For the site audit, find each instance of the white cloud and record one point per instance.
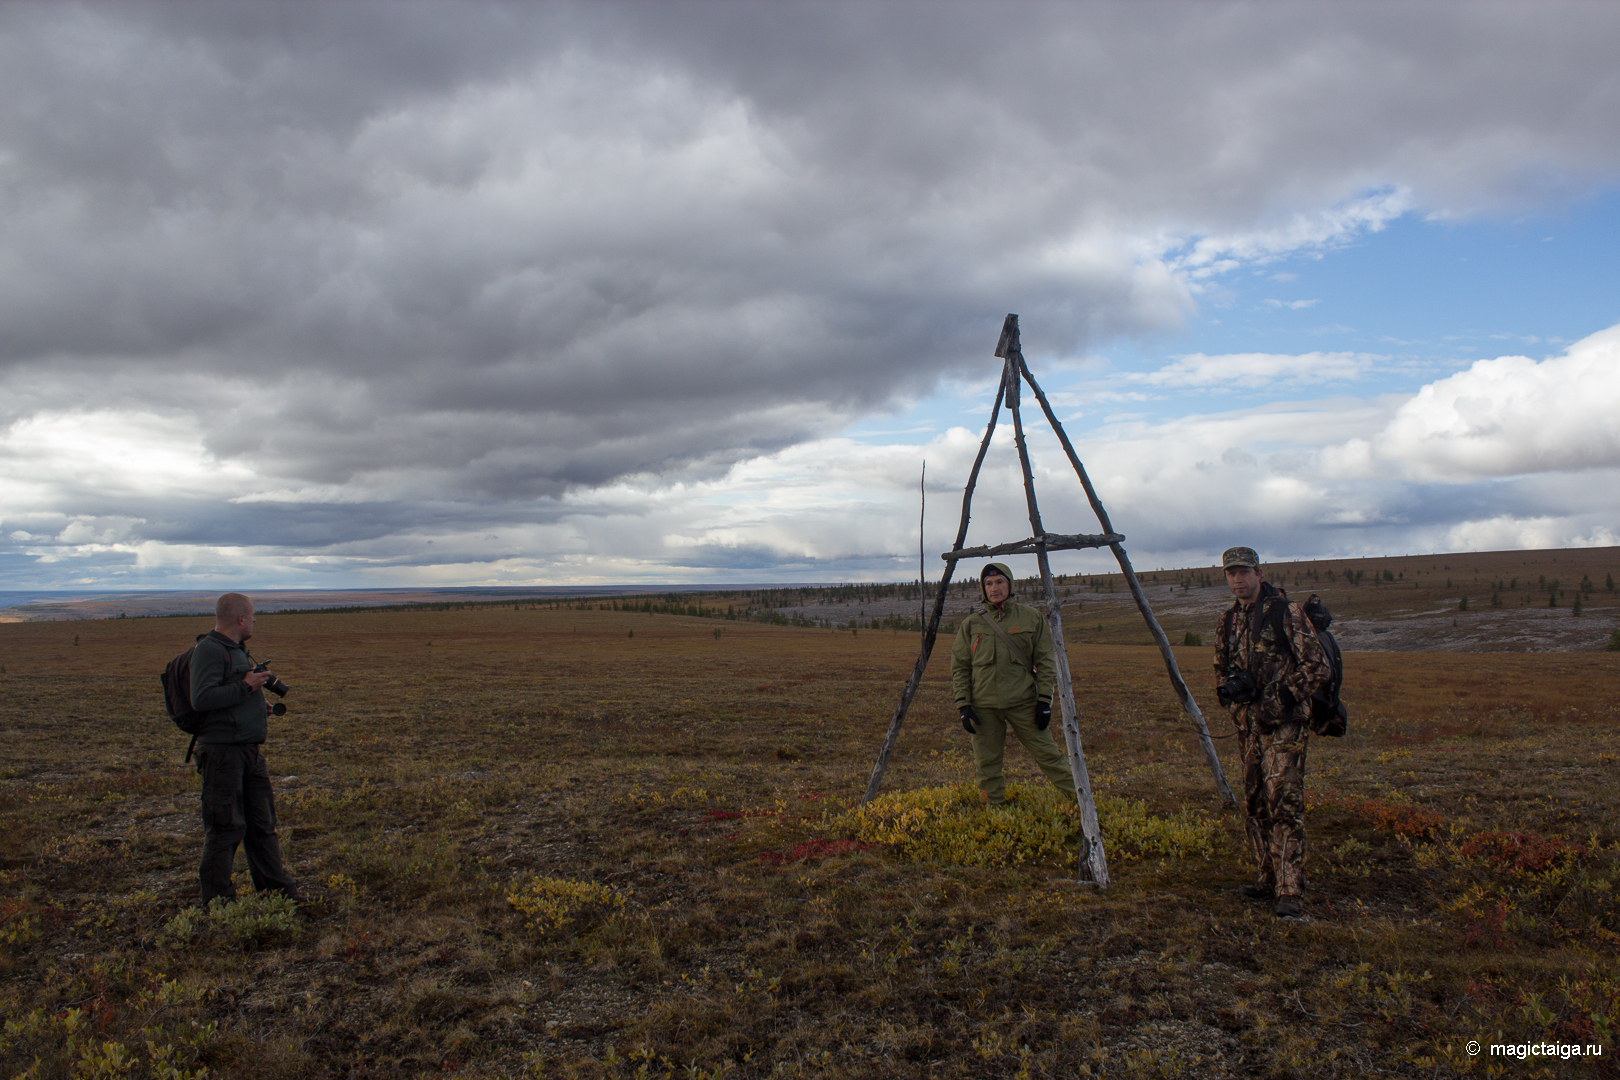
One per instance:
(1255, 370)
(1303, 231)
(129, 451)
(1506, 532)
(1513, 416)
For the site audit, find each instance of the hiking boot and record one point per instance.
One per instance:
(1258, 890)
(1289, 907)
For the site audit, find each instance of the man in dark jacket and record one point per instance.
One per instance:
(237, 804)
(997, 689)
(1268, 663)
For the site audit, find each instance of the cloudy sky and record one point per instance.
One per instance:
(344, 295)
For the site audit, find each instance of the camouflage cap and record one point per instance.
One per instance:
(1240, 556)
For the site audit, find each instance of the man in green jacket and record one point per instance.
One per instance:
(238, 806)
(997, 688)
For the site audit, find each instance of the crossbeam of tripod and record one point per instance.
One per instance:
(1048, 541)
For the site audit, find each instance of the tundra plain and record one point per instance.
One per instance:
(548, 839)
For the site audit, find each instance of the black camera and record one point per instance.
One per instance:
(274, 685)
(1238, 689)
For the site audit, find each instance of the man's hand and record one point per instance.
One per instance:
(1043, 714)
(969, 718)
(256, 679)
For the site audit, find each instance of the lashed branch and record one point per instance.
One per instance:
(1053, 542)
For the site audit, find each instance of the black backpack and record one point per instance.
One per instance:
(1328, 715)
(176, 679)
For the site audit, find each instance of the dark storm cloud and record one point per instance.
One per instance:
(480, 254)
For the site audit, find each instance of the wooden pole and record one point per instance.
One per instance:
(1176, 681)
(1093, 859)
(932, 630)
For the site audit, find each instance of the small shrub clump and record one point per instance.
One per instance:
(550, 904)
(258, 918)
(949, 825)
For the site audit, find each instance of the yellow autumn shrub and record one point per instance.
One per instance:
(1037, 824)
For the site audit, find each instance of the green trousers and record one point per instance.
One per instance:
(989, 749)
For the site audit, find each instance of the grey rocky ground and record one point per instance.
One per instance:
(1424, 629)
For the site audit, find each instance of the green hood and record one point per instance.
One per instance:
(1005, 572)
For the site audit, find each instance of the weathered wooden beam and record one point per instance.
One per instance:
(1093, 859)
(1052, 542)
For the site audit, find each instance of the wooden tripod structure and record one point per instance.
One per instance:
(1093, 860)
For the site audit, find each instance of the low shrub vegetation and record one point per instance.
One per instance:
(541, 847)
(1037, 824)
(253, 920)
(549, 905)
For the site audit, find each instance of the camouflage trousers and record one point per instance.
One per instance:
(1274, 794)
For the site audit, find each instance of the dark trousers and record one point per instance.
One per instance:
(238, 808)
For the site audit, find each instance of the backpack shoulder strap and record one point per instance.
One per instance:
(1016, 651)
(1277, 615)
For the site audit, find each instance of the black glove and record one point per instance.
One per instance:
(1043, 714)
(969, 718)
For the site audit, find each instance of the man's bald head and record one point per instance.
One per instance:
(233, 617)
(232, 605)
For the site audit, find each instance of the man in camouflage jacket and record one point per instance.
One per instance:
(1268, 663)
(996, 691)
